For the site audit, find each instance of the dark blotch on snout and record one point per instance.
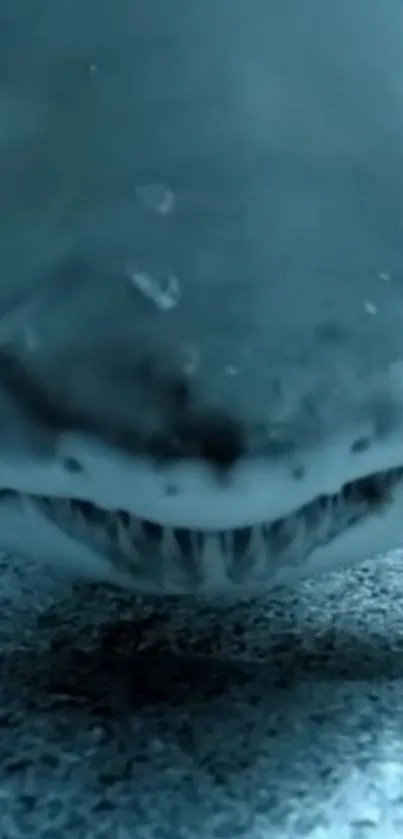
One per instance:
(219, 438)
(185, 431)
(210, 436)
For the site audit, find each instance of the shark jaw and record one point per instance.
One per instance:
(103, 519)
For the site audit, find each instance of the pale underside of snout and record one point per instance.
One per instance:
(195, 494)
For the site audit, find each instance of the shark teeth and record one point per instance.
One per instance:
(169, 559)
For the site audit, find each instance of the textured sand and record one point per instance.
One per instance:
(280, 719)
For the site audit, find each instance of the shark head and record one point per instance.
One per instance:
(201, 333)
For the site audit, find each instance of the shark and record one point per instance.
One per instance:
(201, 294)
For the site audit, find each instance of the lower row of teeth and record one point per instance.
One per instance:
(130, 543)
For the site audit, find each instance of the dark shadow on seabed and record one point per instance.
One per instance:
(178, 719)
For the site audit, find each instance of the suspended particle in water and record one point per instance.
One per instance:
(157, 197)
(164, 291)
(370, 307)
(191, 362)
(231, 370)
(30, 339)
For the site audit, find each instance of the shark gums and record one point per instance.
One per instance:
(201, 288)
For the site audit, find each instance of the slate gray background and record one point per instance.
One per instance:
(122, 719)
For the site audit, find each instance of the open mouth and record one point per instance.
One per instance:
(160, 558)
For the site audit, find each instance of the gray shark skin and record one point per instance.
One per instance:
(201, 288)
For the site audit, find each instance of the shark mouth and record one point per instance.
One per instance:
(119, 547)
